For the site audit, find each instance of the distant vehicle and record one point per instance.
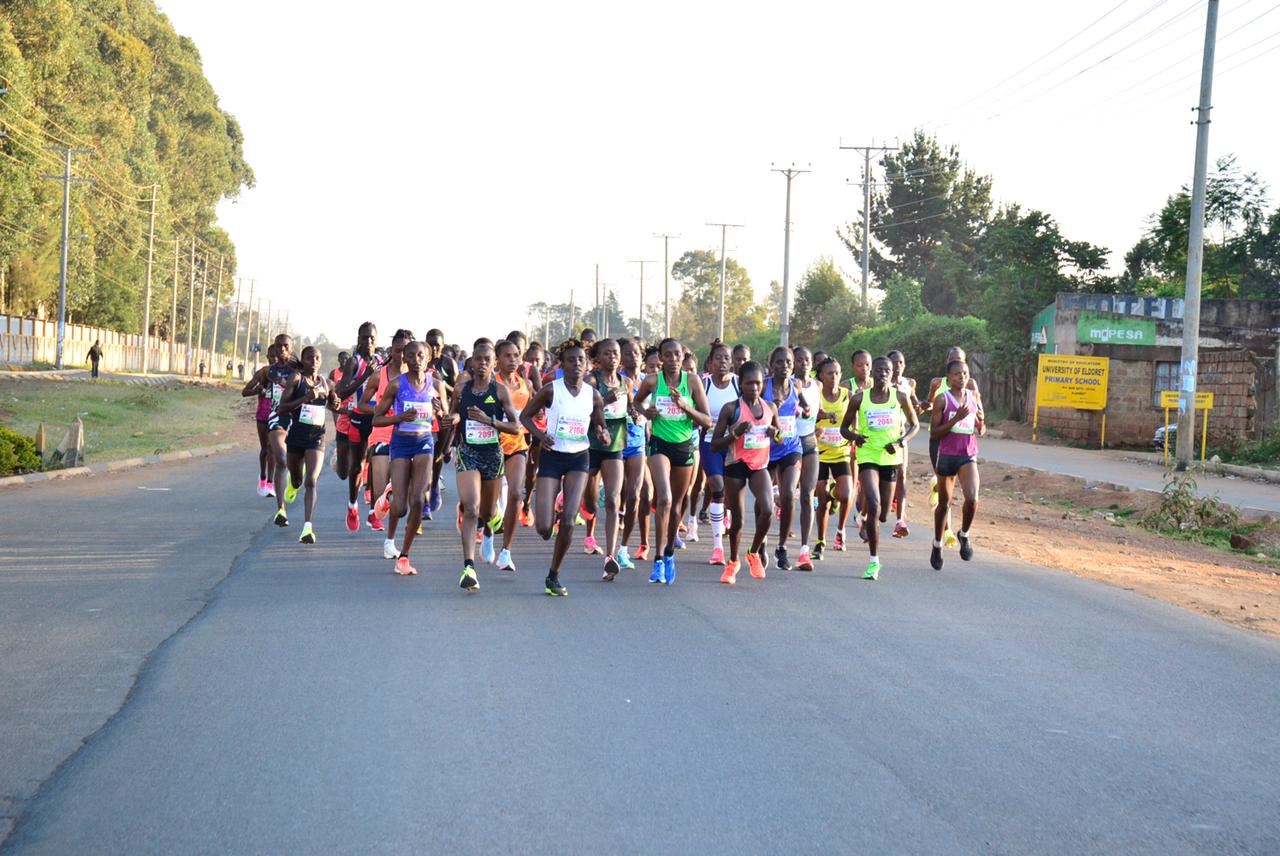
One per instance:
(1158, 440)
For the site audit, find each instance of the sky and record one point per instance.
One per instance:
(446, 165)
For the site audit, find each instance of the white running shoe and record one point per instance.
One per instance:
(504, 560)
(389, 550)
(486, 548)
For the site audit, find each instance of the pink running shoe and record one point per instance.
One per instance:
(717, 556)
(590, 547)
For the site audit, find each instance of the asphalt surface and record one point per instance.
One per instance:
(319, 703)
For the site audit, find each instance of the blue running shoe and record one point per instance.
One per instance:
(436, 498)
(670, 563)
(659, 574)
(679, 544)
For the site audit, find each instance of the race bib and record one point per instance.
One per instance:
(882, 420)
(424, 419)
(967, 425)
(479, 434)
(276, 392)
(571, 429)
(616, 409)
(788, 425)
(757, 437)
(831, 436)
(311, 414)
(666, 407)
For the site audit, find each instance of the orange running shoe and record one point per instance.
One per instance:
(642, 553)
(403, 568)
(526, 519)
(755, 565)
(730, 575)
(383, 505)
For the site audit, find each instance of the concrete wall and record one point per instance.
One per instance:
(25, 341)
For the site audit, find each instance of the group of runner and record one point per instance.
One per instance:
(612, 430)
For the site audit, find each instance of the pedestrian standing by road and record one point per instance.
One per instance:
(95, 356)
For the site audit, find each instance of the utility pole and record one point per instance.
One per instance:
(248, 324)
(66, 179)
(866, 208)
(1195, 254)
(257, 339)
(599, 321)
(146, 301)
(217, 306)
(546, 326)
(285, 329)
(204, 295)
(666, 283)
(642, 263)
(173, 313)
(235, 330)
(573, 315)
(784, 311)
(191, 299)
(724, 227)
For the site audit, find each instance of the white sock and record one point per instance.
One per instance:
(804, 548)
(353, 505)
(875, 559)
(937, 545)
(716, 512)
(962, 534)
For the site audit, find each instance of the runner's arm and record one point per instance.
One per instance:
(380, 417)
(537, 402)
(846, 427)
(512, 423)
(699, 411)
(287, 400)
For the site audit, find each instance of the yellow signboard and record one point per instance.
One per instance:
(1169, 400)
(1069, 381)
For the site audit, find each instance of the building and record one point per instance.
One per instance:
(1239, 363)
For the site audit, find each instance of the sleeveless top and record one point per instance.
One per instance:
(475, 433)
(309, 421)
(569, 417)
(962, 439)
(520, 394)
(806, 426)
(408, 398)
(672, 425)
(752, 448)
(382, 433)
(881, 424)
(787, 414)
(717, 398)
(615, 414)
(833, 448)
(277, 377)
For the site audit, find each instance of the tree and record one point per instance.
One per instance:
(901, 299)
(842, 315)
(819, 287)
(695, 317)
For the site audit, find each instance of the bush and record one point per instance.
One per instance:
(17, 453)
(925, 340)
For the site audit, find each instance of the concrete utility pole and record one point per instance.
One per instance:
(257, 337)
(1195, 253)
(866, 208)
(235, 330)
(785, 310)
(642, 263)
(204, 298)
(573, 315)
(146, 300)
(173, 313)
(217, 306)
(191, 300)
(67, 181)
(599, 320)
(666, 283)
(724, 227)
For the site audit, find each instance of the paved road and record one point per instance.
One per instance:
(1119, 468)
(319, 703)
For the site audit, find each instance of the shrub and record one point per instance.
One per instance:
(17, 453)
(924, 340)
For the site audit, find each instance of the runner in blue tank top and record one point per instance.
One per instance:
(784, 456)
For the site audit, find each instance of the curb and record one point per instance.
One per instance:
(116, 466)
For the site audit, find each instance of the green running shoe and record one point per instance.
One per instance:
(281, 518)
(554, 587)
(495, 525)
(873, 571)
(290, 492)
(469, 582)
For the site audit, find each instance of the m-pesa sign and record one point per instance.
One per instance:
(1110, 330)
(1069, 381)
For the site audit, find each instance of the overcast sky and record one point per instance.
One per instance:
(445, 165)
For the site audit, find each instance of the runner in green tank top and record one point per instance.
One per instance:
(886, 422)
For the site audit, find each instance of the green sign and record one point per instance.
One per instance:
(1115, 330)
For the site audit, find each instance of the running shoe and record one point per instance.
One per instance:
(642, 552)
(505, 562)
(426, 514)
(933, 492)
(590, 547)
(496, 524)
(436, 498)
(818, 550)
(730, 575)
(966, 549)
(755, 565)
(692, 534)
(374, 523)
(659, 574)
(368, 495)
(262, 487)
(624, 561)
(717, 556)
(383, 504)
(872, 572)
(900, 529)
(486, 548)
(780, 558)
(804, 562)
(526, 519)
(271, 489)
(403, 568)
(469, 582)
(679, 544)
(353, 519)
(389, 550)
(554, 587)
(281, 518)
(935, 558)
(949, 539)
(862, 530)
(682, 528)
(611, 569)
(704, 516)
(669, 571)
(578, 521)
(307, 536)
(838, 546)
(290, 492)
